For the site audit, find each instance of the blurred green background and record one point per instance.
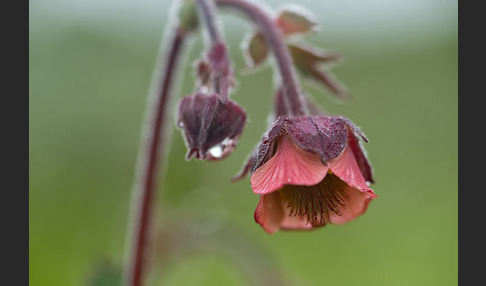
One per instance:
(91, 64)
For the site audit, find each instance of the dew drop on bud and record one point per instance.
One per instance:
(220, 150)
(216, 151)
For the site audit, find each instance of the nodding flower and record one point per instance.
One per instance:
(310, 171)
(210, 126)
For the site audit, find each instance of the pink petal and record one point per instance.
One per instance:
(347, 169)
(355, 205)
(289, 165)
(272, 215)
(269, 212)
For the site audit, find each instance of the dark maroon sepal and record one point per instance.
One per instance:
(358, 150)
(324, 135)
(266, 148)
(327, 136)
(247, 167)
(211, 128)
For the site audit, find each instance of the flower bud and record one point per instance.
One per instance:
(210, 126)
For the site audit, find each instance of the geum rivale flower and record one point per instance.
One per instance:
(310, 171)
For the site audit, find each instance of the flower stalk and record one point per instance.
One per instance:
(206, 12)
(151, 149)
(294, 98)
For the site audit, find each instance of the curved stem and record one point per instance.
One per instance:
(216, 48)
(207, 14)
(294, 99)
(151, 149)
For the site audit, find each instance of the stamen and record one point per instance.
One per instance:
(315, 203)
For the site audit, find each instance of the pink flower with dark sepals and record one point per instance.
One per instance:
(310, 171)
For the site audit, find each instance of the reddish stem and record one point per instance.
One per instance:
(208, 16)
(152, 148)
(295, 101)
(209, 19)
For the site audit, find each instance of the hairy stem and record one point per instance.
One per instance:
(206, 10)
(295, 101)
(151, 149)
(222, 74)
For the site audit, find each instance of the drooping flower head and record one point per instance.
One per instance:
(210, 126)
(310, 171)
(211, 122)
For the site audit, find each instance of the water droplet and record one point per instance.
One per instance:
(222, 149)
(216, 151)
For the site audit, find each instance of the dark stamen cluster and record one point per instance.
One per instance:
(316, 202)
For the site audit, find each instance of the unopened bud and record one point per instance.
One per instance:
(210, 126)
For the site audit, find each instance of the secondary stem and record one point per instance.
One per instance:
(294, 99)
(209, 19)
(207, 14)
(152, 148)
